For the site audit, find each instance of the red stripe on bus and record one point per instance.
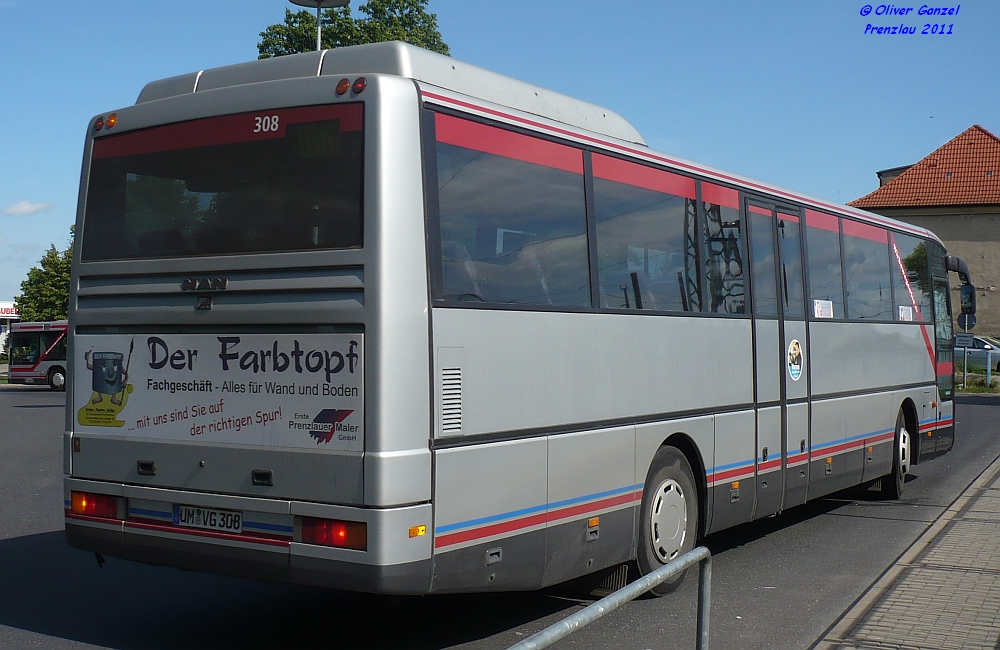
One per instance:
(822, 220)
(836, 449)
(757, 210)
(225, 129)
(208, 533)
(920, 232)
(583, 508)
(731, 473)
(724, 196)
(159, 522)
(945, 368)
(490, 139)
(864, 231)
(788, 217)
(630, 173)
(769, 465)
(532, 520)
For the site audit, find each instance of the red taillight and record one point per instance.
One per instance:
(94, 505)
(342, 534)
(99, 124)
(359, 85)
(343, 86)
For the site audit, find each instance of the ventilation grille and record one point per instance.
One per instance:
(451, 400)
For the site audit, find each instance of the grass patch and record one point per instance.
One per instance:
(976, 383)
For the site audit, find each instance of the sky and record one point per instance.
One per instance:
(791, 93)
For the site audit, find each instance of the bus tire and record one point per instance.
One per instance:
(668, 523)
(892, 483)
(57, 379)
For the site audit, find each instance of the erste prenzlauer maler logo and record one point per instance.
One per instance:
(328, 419)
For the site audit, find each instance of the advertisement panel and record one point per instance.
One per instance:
(276, 390)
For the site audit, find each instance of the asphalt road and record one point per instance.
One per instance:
(778, 583)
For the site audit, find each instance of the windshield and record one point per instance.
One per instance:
(280, 180)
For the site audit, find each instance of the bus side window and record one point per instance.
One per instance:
(826, 286)
(790, 271)
(513, 225)
(866, 256)
(646, 252)
(765, 294)
(725, 288)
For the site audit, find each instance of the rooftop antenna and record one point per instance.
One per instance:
(320, 4)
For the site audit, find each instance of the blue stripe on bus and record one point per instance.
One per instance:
(534, 509)
(150, 513)
(260, 526)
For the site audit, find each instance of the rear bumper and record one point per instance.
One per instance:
(393, 563)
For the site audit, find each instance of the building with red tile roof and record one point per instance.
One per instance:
(955, 192)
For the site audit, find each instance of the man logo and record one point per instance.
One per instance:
(204, 284)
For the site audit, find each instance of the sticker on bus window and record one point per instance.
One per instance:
(795, 360)
(905, 313)
(822, 308)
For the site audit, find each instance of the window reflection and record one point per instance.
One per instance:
(511, 231)
(647, 256)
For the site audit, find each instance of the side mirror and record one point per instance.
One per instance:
(968, 299)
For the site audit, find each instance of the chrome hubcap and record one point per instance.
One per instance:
(904, 451)
(58, 380)
(668, 520)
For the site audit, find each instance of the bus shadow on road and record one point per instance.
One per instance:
(746, 533)
(51, 589)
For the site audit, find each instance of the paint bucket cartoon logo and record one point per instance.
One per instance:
(795, 360)
(110, 388)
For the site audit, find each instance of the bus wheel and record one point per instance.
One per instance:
(892, 483)
(669, 519)
(57, 379)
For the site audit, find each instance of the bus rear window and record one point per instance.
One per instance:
(263, 182)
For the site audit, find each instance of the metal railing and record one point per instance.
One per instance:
(591, 613)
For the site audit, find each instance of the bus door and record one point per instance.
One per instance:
(769, 380)
(781, 387)
(795, 359)
(941, 436)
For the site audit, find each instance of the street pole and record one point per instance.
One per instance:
(965, 362)
(320, 4)
(319, 30)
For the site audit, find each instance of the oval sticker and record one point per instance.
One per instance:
(795, 359)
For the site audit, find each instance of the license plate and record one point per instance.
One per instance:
(228, 521)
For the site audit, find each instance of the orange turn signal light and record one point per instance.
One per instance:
(343, 86)
(112, 120)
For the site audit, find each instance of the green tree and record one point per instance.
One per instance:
(45, 294)
(385, 20)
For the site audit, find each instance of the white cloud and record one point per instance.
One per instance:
(24, 208)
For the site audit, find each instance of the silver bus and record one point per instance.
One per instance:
(379, 320)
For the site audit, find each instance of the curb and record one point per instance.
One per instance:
(834, 637)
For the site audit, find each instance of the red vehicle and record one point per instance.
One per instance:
(38, 354)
